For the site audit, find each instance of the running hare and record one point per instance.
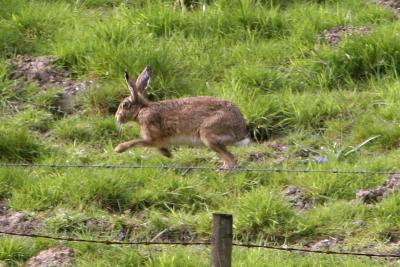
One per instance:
(193, 120)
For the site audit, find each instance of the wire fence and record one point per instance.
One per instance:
(204, 243)
(200, 168)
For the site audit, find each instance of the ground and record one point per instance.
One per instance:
(316, 81)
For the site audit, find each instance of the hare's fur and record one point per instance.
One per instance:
(206, 120)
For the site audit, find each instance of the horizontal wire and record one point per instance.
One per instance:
(148, 243)
(165, 167)
(106, 242)
(365, 254)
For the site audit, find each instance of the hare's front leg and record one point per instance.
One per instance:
(126, 145)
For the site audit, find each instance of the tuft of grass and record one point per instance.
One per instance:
(17, 144)
(261, 211)
(387, 221)
(10, 180)
(13, 251)
(357, 58)
(103, 99)
(333, 218)
(34, 119)
(95, 129)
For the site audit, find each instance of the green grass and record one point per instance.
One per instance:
(268, 57)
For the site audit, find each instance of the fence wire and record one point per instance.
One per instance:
(105, 242)
(205, 243)
(365, 254)
(188, 168)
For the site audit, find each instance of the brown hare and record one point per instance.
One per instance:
(197, 120)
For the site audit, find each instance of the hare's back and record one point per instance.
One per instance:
(197, 109)
(189, 114)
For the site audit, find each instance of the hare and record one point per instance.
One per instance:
(198, 120)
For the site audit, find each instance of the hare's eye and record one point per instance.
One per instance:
(126, 105)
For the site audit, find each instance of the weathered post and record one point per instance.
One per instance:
(221, 240)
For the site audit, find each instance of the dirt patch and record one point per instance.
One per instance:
(391, 185)
(324, 244)
(17, 222)
(278, 154)
(298, 198)
(393, 4)
(257, 156)
(371, 196)
(183, 234)
(333, 36)
(3, 208)
(277, 147)
(55, 256)
(96, 225)
(43, 71)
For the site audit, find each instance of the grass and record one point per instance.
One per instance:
(293, 87)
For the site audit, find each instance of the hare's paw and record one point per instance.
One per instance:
(120, 148)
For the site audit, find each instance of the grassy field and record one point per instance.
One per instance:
(303, 98)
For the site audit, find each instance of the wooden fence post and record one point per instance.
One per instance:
(221, 240)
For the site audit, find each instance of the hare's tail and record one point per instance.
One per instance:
(243, 142)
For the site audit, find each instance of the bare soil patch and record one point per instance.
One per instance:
(391, 185)
(335, 35)
(17, 222)
(43, 71)
(325, 244)
(257, 156)
(393, 4)
(55, 256)
(298, 198)
(278, 154)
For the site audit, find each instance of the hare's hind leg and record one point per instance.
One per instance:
(212, 142)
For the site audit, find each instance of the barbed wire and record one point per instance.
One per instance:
(289, 249)
(186, 168)
(106, 242)
(206, 243)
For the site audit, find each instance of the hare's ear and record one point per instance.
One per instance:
(144, 79)
(131, 85)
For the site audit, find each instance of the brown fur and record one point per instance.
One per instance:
(213, 122)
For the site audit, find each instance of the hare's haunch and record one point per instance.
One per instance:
(206, 120)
